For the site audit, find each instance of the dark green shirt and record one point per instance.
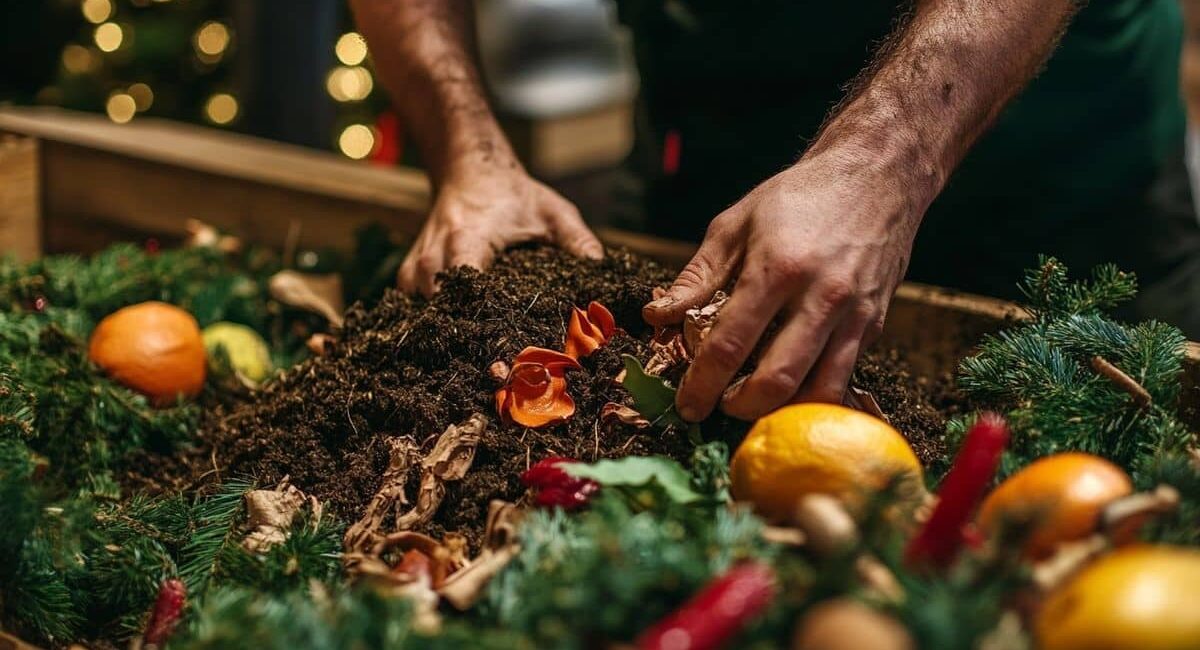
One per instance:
(745, 84)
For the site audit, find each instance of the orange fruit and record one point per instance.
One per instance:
(153, 348)
(820, 448)
(1140, 597)
(1059, 496)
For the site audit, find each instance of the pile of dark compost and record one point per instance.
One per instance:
(411, 367)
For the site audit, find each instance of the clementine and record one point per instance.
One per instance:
(1060, 497)
(153, 348)
(820, 448)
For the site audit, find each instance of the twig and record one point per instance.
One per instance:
(1123, 381)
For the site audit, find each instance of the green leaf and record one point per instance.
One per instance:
(639, 471)
(654, 398)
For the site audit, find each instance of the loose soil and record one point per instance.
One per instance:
(411, 367)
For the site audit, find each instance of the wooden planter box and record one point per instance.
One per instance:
(72, 182)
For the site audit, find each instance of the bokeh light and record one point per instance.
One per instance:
(143, 96)
(211, 41)
(221, 108)
(77, 59)
(357, 141)
(109, 37)
(96, 11)
(351, 49)
(349, 84)
(121, 107)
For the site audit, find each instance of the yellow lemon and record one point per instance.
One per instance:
(1142, 597)
(819, 448)
(247, 352)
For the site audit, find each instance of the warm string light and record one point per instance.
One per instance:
(120, 107)
(77, 59)
(357, 141)
(349, 84)
(211, 41)
(221, 108)
(96, 11)
(108, 37)
(351, 49)
(143, 96)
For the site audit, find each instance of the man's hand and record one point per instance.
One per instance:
(819, 248)
(485, 200)
(486, 211)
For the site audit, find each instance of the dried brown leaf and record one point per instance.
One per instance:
(449, 460)
(320, 294)
(698, 322)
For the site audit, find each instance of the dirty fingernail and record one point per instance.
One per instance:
(661, 303)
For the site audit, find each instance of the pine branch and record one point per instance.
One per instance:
(214, 521)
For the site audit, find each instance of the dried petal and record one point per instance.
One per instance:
(536, 392)
(499, 372)
(699, 321)
(588, 330)
(624, 414)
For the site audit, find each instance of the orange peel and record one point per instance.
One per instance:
(588, 330)
(535, 393)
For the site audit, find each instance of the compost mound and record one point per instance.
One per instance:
(411, 367)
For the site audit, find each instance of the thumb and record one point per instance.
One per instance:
(708, 271)
(570, 232)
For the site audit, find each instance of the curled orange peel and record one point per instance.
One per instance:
(588, 330)
(535, 393)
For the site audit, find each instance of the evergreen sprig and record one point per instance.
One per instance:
(612, 571)
(1044, 373)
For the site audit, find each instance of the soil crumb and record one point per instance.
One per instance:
(409, 367)
(915, 405)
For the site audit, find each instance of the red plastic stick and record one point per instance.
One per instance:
(940, 539)
(714, 615)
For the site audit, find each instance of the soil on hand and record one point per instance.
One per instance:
(410, 367)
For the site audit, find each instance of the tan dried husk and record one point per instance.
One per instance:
(270, 513)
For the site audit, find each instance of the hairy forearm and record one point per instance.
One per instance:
(423, 53)
(936, 85)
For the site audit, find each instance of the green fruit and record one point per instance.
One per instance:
(247, 352)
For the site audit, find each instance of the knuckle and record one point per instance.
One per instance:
(726, 352)
(774, 384)
(788, 267)
(695, 272)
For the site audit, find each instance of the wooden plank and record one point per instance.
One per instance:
(20, 198)
(225, 154)
(92, 192)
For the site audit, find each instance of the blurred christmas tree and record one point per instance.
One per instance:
(292, 70)
(169, 58)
